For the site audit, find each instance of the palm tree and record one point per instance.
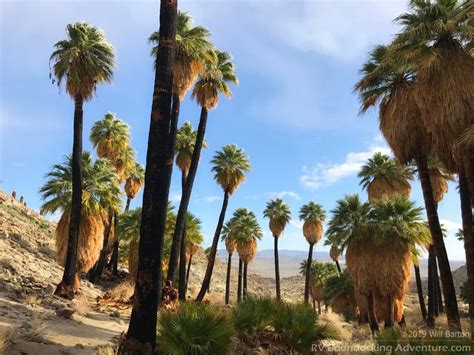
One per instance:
(229, 166)
(279, 214)
(185, 142)
(129, 227)
(218, 72)
(83, 61)
(334, 254)
(313, 216)
(141, 332)
(135, 179)
(100, 193)
(246, 231)
(383, 177)
(419, 286)
(230, 245)
(193, 238)
(110, 136)
(392, 84)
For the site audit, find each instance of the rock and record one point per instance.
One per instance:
(115, 314)
(65, 312)
(26, 325)
(79, 346)
(3, 234)
(16, 237)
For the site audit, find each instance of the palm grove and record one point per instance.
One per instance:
(422, 83)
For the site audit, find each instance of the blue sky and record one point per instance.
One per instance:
(293, 112)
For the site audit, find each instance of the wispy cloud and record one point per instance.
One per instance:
(212, 198)
(324, 174)
(283, 194)
(451, 226)
(175, 197)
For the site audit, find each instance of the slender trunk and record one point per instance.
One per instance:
(127, 206)
(189, 269)
(113, 265)
(227, 279)
(338, 266)
(182, 252)
(239, 282)
(430, 320)
(183, 205)
(96, 271)
(308, 274)
(277, 268)
(245, 280)
(466, 210)
(468, 173)
(141, 335)
(66, 287)
(212, 254)
(419, 288)
(449, 292)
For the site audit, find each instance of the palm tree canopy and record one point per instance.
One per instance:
(382, 167)
(279, 214)
(320, 271)
(129, 224)
(191, 49)
(312, 212)
(228, 232)
(229, 166)
(349, 220)
(245, 232)
(193, 230)
(185, 141)
(99, 188)
(135, 179)
(83, 60)
(218, 72)
(110, 136)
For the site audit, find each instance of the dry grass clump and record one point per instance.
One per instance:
(7, 335)
(439, 185)
(7, 264)
(123, 291)
(47, 251)
(106, 350)
(81, 305)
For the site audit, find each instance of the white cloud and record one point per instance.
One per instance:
(175, 197)
(451, 226)
(212, 198)
(296, 223)
(282, 194)
(324, 174)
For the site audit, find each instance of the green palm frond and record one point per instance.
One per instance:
(312, 212)
(278, 211)
(185, 141)
(83, 61)
(229, 166)
(110, 136)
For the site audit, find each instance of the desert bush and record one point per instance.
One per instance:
(7, 334)
(252, 315)
(195, 328)
(339, 293)
(416, 341)
(298, 326)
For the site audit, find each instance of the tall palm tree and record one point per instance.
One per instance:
(134, 182)
(100, 193)
(193, 237)
(82, 61)
(279, 214)
(313, 215)
(383, 177)
(110, 136)
(392, 84)
(419, 286)
(185, 142)
(229, 166)
(246, 231)
(141, 334)
(214, 80)
(334, 254)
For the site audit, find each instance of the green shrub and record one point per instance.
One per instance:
(195, 328)
(298, 326)
(252, 315)
(464, 294)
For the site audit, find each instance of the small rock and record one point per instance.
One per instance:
(79, 346)
(3, 234)
(115, 314)
(16, 236)
(26, 325)
(65, 312)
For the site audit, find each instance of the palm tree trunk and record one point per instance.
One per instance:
(127, 206)
(419, 288)
(338, 266)
(239, 282)
(66, 287)
(96, 271)
(308, 274)
(182, 253)
(277, 268)
(227, 279)
(439, 296)
(188, 270)
(466, 210)
(113, 265)
(141, 333)
(186, 196)
(430, 320)
(212, 254)
(449, 292)
(245, 280)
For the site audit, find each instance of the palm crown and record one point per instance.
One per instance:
(185, 141)
(135, 179)
(229, 166)
(218, 72)
(192, 47)
(279, 214)
(84, 60)
(99, 188)
(110, 136)
(313, 216)
(382, 167)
